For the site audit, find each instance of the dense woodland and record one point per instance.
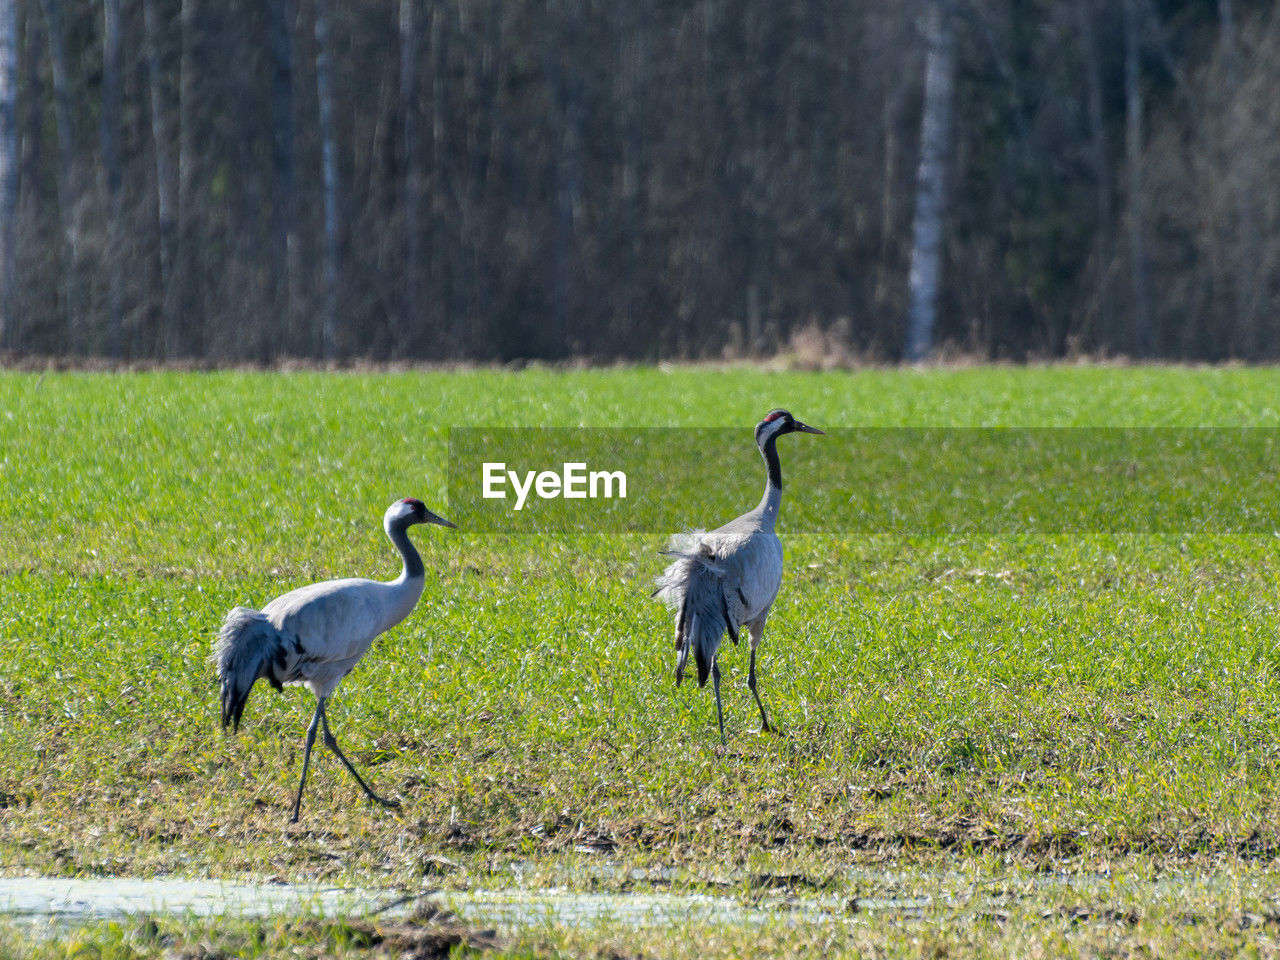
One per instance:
(235, 180)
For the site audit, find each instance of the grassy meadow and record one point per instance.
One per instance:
(956, 709)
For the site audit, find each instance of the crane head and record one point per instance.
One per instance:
(778, 422)
(409, 511)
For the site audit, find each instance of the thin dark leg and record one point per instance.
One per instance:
(715, 681)
(306, 756)
(751, 682)
(331, 742)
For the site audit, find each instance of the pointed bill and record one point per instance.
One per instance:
(436, 518)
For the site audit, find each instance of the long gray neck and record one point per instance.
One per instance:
(413, 568)
(773, 484)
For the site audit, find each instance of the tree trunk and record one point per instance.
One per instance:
(634, 79)
(1246, 256)
(437, 274)
(411, 295)
(8, 165)
(1101, 169)
(111, 171)
(563, 89)
(329, 176)
(66, 202)
(31, 165)
(186, 338)
(1133, 169)
(166, 180)
(284, 227)
(931, 182)
(888, 238)
(481, 57)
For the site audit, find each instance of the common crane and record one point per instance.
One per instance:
(316, 634)
(730, 576)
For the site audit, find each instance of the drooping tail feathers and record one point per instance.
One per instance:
(693, 586)
(248, 647)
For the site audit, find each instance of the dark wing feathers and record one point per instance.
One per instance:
(694, 585)
(248, 648)
(728, 620)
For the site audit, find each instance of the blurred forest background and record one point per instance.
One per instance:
(249, 180)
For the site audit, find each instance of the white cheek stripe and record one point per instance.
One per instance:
(772, 427)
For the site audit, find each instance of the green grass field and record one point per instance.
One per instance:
(1093, 704)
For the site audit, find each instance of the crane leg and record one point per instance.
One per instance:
(306, 756)
(757, 634)
(715, 682)
(331, 742)
(751, 682)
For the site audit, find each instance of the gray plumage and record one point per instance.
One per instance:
(315, 635)
(727, 578)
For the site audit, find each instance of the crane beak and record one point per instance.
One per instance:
(436, 518)
(805, 428)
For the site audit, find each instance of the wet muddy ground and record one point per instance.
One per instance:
(760, 898)
(522, 912)
(67, 900)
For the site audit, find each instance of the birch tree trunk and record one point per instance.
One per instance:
(931, 182)
(112, 175)
(329, 177)
(8, 164)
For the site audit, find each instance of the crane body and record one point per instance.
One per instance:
(315, 635)
(727, 578)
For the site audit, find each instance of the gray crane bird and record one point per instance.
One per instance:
(316, 634)
(729, 576)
